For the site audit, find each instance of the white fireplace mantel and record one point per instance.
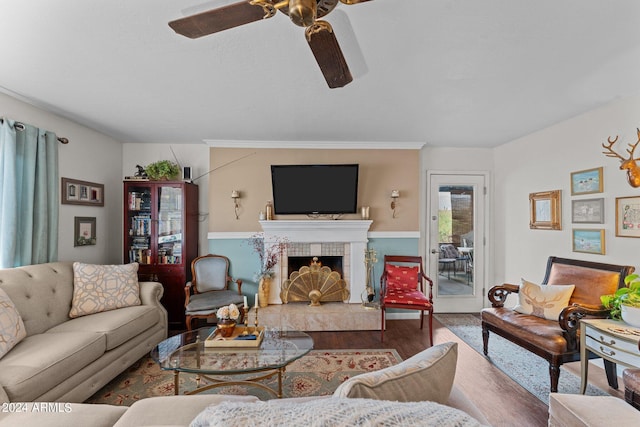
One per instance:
(317, 230)
(353, 232)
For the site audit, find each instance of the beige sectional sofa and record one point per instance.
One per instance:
(423, 382)
(64, 359)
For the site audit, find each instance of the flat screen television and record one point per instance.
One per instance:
(314, 189)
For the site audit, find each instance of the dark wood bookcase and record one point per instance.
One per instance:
(161, 234)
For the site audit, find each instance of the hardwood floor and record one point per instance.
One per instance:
(500, 399)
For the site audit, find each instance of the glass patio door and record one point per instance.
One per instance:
(456, 241)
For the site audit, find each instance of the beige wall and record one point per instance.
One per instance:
(380, 172)
(544, 161)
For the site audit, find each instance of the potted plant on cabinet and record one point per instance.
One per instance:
(625, 303)
(162, 169)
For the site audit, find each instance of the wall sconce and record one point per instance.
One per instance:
(235, 195)
(394, 197)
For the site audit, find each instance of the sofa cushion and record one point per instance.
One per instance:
(119, 326)
(98, 288)
(58, 414)
(426, 376)
(546, 301)
(42, 293)
(539, 332)
(41, 362)
(11, 326)
(173, 410)
(577, 410)
(332, 412)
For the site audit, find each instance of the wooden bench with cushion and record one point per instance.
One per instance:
(554, 338)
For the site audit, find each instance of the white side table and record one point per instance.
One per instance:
(614, 341)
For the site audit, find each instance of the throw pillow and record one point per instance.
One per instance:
(332, 412)
(402, 277)
(12, 329)
(426, 376)
(545, 301)
(98, 288)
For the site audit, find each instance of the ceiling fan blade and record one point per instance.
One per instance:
(326, 49)
(349, 43)
(223, 18)
(353, 1)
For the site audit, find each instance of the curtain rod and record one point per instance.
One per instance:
(20, 126)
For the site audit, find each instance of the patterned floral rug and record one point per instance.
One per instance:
(318, 373)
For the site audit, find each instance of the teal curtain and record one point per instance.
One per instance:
(28, 195)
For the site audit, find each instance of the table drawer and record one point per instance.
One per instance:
(614, 349)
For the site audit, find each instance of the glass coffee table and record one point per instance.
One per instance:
(186, 353)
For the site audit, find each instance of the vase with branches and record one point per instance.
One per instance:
(269, 255)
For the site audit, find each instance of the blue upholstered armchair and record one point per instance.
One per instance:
(209, 288)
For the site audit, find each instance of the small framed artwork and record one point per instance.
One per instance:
(587, 211)
(588, 241)
(587, 182)
(76, 192)
(85, 231)
(545, 211)
(628, 216)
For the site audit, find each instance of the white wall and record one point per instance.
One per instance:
(89, 156)
(194, 155)
(544, 161)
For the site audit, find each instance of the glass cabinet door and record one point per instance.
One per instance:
(170, 222)
(139, 224)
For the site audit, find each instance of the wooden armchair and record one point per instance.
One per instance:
(402, 285)
(556, 341)
(209, 288)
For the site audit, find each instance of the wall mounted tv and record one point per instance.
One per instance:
(314, 189)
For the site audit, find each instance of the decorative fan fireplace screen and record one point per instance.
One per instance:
(315, 283)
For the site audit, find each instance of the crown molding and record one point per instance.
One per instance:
(358, 145)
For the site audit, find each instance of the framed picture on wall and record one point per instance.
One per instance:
(587, 181)
(587, 211)
(545, 210)
(86, 193)
(588, 241)
(84, 231)
(628, 216)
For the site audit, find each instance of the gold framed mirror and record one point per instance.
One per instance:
(545, 211)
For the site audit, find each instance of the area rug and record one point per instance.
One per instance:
(318, 373)
(522, 366)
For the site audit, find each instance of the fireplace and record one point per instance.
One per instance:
(294, 263)
(325, 239)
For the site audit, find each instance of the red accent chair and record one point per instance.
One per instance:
(402, 286)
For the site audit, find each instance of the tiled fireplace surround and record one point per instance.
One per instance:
(346, 238)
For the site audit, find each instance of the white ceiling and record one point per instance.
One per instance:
(442, 72)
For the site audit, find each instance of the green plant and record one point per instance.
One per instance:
(629, 295)
(162, 169)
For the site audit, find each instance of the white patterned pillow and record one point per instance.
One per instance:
(545, 301)
(12, 329)
(99, 288)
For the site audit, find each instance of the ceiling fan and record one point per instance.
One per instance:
(304, 13)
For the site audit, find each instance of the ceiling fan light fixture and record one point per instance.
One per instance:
(303, 12)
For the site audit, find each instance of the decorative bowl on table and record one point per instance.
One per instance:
(630, 315)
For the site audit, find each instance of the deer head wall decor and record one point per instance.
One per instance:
(629, 164)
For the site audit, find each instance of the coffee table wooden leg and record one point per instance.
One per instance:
(176, 382)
